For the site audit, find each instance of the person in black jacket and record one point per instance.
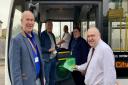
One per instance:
(79, 49)
(48, 44)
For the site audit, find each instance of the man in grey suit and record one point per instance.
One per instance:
(26, 66)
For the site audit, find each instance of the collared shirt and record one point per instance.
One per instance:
(53, 54)
(35, 52)
(101, 70)
(66, 38)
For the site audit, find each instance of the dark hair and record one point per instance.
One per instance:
(48, 20)
(77, 28)
(65, 27)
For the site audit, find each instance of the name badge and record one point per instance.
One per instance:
(36, 59)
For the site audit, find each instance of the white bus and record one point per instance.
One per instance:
(82, 13)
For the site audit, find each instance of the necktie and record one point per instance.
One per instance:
(84, 73)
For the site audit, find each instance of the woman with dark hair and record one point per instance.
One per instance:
(79, 48)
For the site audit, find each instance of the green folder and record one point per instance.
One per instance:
(69, 64)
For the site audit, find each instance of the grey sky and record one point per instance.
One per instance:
(4, 11)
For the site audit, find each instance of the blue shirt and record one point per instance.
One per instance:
(35, 52)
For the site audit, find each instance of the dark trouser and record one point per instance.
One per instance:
(78, 78)
(49, 69)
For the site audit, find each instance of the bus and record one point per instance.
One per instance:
(112, 23)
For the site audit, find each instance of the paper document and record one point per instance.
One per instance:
(69, 64)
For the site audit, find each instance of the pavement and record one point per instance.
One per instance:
(2, 61)
(2, 48)
(2, 74)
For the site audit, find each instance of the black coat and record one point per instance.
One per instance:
(80, 49)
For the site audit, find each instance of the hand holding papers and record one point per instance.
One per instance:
(69, 64)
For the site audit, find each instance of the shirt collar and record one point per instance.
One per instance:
(29, 35)
(98, 44)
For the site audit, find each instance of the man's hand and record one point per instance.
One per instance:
(75, 68)
(51, 49)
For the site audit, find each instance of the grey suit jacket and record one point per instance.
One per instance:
(21, 60)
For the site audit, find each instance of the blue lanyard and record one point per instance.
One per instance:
(35, 52)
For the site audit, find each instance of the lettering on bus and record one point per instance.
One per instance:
(121, 64)
(120, 56)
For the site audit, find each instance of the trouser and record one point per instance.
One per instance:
(78, 78)
(50, 69)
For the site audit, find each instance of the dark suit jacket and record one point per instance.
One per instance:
(80, 49)
(22, 65)
(46, 45)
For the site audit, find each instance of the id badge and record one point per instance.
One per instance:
(36, 59)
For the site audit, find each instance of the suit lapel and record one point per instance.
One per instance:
(38, 45)
(29, 48)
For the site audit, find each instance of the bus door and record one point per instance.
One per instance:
(118, 40)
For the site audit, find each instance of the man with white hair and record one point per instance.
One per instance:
(26, 66)
(99, 69)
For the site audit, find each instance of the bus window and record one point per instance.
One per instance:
(16, 28)
(84, 29)
(118, 37)
(92, 23)
(70, 27)
(58, 28)
(118, 25)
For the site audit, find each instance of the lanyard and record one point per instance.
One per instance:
(32, 42)
(34, 47)
(35, 52)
